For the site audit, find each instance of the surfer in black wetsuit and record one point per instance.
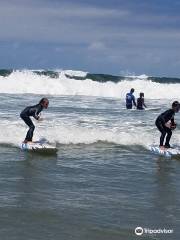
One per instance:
(33, 111)
(165, 124)
(140, 102)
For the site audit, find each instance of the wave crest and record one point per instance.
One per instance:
(79, 83)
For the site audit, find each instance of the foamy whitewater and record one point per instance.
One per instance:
(22, 82)
(83, 111)
(103, 182)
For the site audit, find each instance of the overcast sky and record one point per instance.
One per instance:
(102, 36)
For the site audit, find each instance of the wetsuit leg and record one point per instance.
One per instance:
(31, 126)
(162, 129)
(169, 134)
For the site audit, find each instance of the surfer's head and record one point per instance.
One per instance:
(44, 102)
(132, 90)
(176, 106)
(141, 94)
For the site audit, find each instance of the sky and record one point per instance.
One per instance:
(116, 37)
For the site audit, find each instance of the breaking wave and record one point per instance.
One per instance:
(81, 83)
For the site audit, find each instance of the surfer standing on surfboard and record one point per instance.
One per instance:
(165, 124)
(33, 111)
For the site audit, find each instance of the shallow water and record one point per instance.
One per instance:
(102, 183)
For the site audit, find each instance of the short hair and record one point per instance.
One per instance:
(175, 104)
(132, 89)
(43, 100)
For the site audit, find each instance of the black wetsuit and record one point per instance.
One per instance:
(140, 104)
(160, 123)
(32, 111)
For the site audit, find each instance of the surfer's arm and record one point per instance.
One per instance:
(144, 105)
(133, 98)
(172, 122)
(37, 117)
(36, 114)
(166, 115)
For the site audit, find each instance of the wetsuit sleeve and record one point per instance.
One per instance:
(36, 115)
(133, 98)
(144, 104)
(166, 116)
(37, 111)
(172, 121)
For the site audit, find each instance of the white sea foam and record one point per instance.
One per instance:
(75, 73)
(143, 76)
(22, 82)
(71, 134)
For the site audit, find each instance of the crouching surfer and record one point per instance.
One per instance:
(33, 111)
(165, 124)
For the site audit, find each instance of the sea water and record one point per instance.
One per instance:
(104, 182)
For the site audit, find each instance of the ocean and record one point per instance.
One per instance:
(104, 182)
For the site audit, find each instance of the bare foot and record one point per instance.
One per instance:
(162, 148)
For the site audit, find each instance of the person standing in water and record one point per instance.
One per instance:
(140, 102)
(165, 124)
(130, 99)
(33, 111)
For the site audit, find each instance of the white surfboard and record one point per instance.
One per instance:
(169, 152)
(39, 146)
